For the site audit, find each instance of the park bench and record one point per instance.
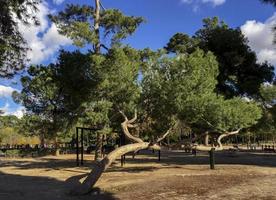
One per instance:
(268, 148)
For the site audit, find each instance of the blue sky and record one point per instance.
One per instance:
(164, 18)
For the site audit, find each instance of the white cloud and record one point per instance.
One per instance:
(57, 2)
(196, 3)
(214, 2)
(6, 91)
(261, 36)
(44, 40)
(5, 97)
(18, 112)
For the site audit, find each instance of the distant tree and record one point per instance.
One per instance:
(12, 45)
(239, 72)
(53, 95)
(273, 2)
(267, 124)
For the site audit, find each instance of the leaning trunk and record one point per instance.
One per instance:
(101, 166)
(219, 147)
(98, 150)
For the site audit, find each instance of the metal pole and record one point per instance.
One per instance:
(212, 158)
(122, 160)
(81, 146)
(159, 155)
(77, 145)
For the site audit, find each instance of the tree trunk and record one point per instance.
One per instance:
(101, 166)
(220, 146)
(98, 149)
(57, 151)
(226, 135)
(42, 140)
(97, 26)
(206, 139)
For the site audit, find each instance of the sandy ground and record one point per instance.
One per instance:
(178, 176)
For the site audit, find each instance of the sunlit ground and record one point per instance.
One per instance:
(238, 175)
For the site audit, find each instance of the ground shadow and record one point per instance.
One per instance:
(202, 158)
(17, 187)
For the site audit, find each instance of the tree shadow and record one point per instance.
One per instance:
(202, 158)
(17, 187)
(44, 163)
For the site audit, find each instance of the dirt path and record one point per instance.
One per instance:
(178, 177)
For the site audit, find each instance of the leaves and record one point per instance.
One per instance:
(13, 47)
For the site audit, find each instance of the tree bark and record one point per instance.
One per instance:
(97, 26)
(226, 135)
(98, 149)
(206, 139)
(220, 146)
(102, 165)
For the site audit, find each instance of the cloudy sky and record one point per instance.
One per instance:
(164, 18)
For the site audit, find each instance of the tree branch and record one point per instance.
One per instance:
(226, 135)
(164, 136)
(134, 118)
(126, 124)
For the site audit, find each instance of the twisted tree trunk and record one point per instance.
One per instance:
(101, 166)
(220, 146)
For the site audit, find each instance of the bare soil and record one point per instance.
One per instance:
(178, 176)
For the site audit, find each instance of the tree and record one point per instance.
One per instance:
(183, 89)
(239, 72)
(273, 2)
(53, 95)
(12, 45)
(267, 124)
(87, 27)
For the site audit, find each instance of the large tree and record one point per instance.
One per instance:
(183, 89)
(53, 95)
(100, 31)
(239, 71)
(13, 47)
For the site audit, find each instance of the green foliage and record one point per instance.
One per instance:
(53, 94)
(181, 43)
(12, 45)
(239, 72)
(182, 88)
(120, 26)
(75, 22)
(267, 124)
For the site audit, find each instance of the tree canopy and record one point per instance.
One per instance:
(239, 71)
(13, 47)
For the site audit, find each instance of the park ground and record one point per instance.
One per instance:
(178, 176)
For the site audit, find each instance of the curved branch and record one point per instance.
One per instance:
(226, 135)
(164, 136)
(123, 114)
(220, 146)
(126, 124)
(134, 118)
(128, 134)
